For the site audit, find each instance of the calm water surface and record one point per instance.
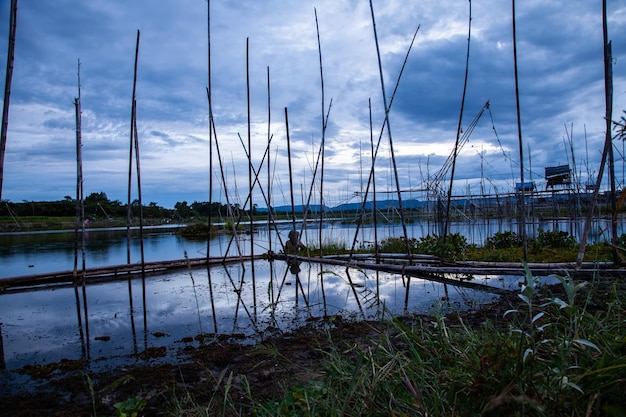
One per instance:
(109, 323)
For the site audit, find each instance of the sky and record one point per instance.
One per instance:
(560, 74)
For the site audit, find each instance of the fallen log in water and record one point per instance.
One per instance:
(434, 270)
(111, 273)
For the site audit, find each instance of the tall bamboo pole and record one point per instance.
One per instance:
(130, 153)
(210, 217)
(519, 135)
(380, 136)
(250, 184)
(324, 124)
(393, 158)
(458, 135)
(293, 204)
(374, 214)
(209, 96)
(7, 88)
(128, 212)
(80, 220)
(607, 152)
(269, 178)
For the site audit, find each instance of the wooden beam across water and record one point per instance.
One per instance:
(456, 273)
(420, 266)
(113, 272)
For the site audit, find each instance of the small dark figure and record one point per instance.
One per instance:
(294, 245)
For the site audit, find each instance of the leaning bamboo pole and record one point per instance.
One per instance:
(608, 145)
(7, 88)
(128, 207)
(380, 136)
(458, 136)
(389, 136)
(130, 151)
(522, 203)
(141, 234)
(223, 178)
(210, 215)
(324, 125)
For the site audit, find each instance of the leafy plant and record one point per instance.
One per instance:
(503, 240)
(131, 407)
(554, 239)
(456, 246)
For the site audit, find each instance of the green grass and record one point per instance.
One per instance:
(553, 354)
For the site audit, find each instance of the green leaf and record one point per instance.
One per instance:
(586, 343)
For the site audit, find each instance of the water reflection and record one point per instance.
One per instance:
(119, 320)
(41, 326)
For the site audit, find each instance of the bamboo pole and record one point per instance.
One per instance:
(128, 211)
(608, 145)
(293, 204)
(7, 88)
(389, 136)
(80, 221)
(380, 136)
(141, 234)
(324, 125)
(250, 183)
(210, 217)
(519, 135)
(374, 216)
(130, 151)
(458, 135)
(223, 178)
(210, 103)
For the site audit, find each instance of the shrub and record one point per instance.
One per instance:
(456, 246)
(397, 245)
(502, 240)
(554, 239)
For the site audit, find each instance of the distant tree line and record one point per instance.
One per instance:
(98, 207)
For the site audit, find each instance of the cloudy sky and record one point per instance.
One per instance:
(561, 86)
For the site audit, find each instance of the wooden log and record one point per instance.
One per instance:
(111, 273)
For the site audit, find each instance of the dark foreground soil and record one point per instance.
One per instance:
(270, 368)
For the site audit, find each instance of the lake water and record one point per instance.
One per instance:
(110, 323)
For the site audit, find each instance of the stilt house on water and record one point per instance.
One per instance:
(558, 175)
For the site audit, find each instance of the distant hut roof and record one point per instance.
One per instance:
(558, 175)
(557, 171)
(528, 186)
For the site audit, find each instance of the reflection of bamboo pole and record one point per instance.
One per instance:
(3, 363)
(7, 88)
